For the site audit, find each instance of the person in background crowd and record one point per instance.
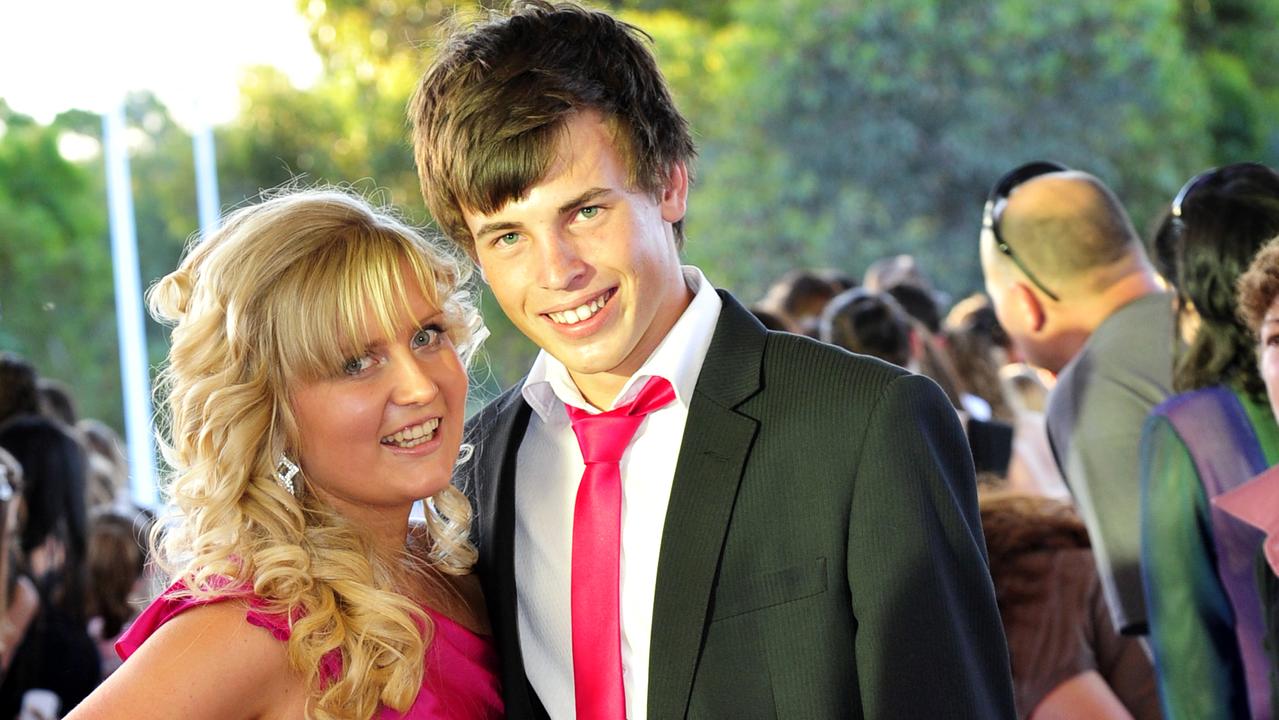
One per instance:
(1071, 285)
(18, 393)
(55, 653)
(981, 351)
(838, 280)
(872, 323)
(108, 467)
(19, 600)
(1205, 619)
(117, 565)
(799, 297)
(1068, 660)
(314, 391)
(903, 270)
(868, 323)
(918, 303)
(772, 320)
(978, 347)
(56, 401)
(1257, 501)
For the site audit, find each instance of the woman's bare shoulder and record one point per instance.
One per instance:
(207, 662)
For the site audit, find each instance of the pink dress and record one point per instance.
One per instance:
(459, 682)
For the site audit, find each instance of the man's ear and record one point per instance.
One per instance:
(674, 197)
(1027, 304)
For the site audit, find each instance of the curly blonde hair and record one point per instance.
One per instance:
(253, 309)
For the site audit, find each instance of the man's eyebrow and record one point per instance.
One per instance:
(503, 225)
(507, 225)
(583, 199)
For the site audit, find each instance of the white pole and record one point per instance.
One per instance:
(134, 368)
(206, 178)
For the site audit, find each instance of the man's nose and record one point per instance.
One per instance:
(560, 263)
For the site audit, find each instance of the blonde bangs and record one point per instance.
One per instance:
(341, 287)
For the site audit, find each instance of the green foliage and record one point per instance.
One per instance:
(1235, 43)
(56, 291)
(831, 133)
(846, 132)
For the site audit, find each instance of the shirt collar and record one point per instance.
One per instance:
(678, 359)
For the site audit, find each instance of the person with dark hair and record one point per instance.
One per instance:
(1205, 620)
(18, 393)
(979, 349)
(1071, 285)
(1257, 501)
(872, 323)
(887, 273)
(116, 565)
(680, 513)
(1068, 660)
(838, 280)
(771, 320)
(108, 467)
(56, 401)
(918, 303)
(799, 296)
(56, 653)
(869, 323)
(19, 599)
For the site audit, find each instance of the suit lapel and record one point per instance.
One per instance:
(497, 439)
(713, 453)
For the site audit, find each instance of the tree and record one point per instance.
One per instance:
(847, 131)
(1233, 40)
(56, 291)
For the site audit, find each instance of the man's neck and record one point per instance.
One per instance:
(1133, 286)
(599, 389)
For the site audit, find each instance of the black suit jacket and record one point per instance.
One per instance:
(822, 554)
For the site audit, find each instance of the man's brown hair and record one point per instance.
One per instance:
(488, 113)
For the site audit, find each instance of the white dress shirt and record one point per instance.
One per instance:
(548, 470)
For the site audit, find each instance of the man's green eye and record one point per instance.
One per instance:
(589, 212)
(509, 238)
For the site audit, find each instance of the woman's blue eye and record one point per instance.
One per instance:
(428, 336)
(357, 365)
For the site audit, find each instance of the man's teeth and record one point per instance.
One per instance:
(413, 436)
(581, 312)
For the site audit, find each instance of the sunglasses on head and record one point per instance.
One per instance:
(998, 200)
(1208, 176)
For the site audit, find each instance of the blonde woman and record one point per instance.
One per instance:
(315, 389)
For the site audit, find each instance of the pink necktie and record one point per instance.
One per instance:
(597, 536)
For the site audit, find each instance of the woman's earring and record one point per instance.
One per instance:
(285, 471)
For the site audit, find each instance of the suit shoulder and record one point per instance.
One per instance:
(823, 364)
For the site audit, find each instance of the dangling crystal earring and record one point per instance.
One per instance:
(285, 471)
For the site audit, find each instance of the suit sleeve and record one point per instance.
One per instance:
(1191, 622)
(929, 640)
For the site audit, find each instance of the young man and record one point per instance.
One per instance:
(776, 528)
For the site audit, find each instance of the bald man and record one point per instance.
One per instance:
(1071, 284)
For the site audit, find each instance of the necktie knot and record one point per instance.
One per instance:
(604, 437)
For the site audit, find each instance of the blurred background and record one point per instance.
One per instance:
(832, 132)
